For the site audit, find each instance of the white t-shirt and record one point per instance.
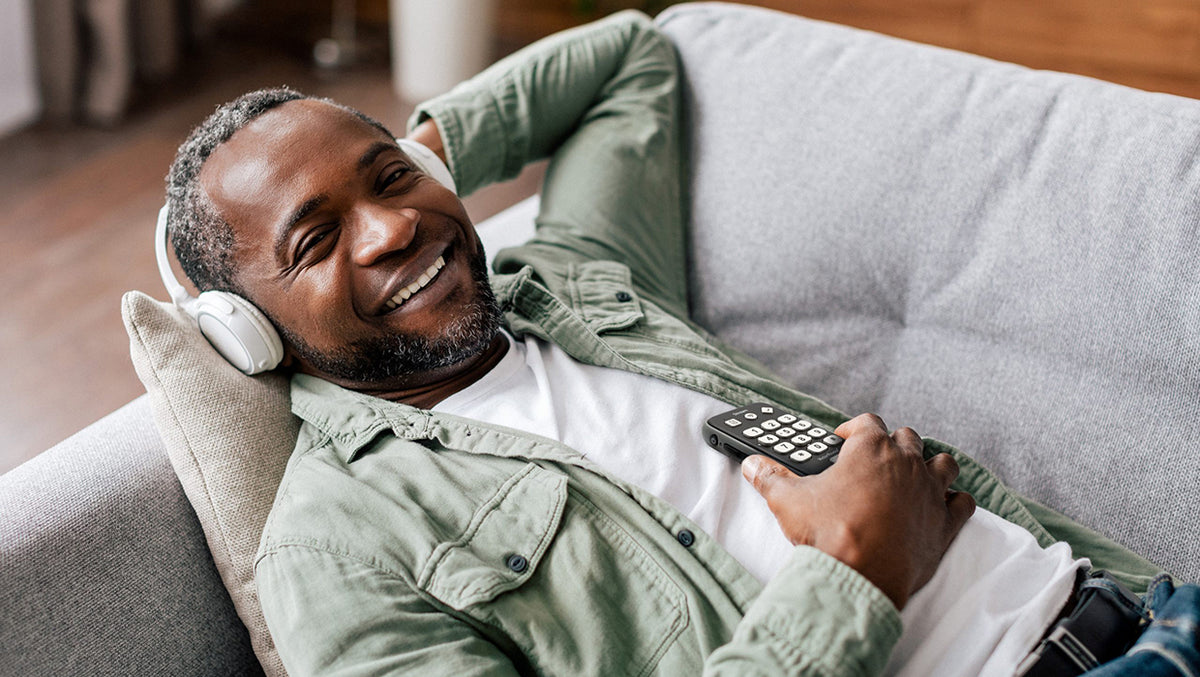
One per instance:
(991, 599)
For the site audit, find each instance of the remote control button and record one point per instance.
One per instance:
(818, 432)
(801, 456)
(752, 432)
(801, 425)
(770, 425)
(750, 416)
(786, 418)
(784, 447)
(801, 439)
(768, 439)
(767, 410)
(817, 447)
(733, 422)
(785, 432)
(832, 440)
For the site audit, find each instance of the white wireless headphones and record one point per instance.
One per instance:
(240, 332)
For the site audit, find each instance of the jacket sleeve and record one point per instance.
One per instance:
(602, 102)
(817, 616)
(336, 616)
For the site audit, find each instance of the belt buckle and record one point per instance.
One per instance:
(1106, 617)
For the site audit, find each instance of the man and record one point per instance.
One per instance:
(467, 500)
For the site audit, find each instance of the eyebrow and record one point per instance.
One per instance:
(373, 152)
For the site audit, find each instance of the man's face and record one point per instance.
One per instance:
(334, 227)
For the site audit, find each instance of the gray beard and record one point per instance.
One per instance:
(388, 357)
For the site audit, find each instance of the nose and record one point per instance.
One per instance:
(382, 232)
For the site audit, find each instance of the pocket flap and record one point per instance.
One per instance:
(503, 543)
(603, 294)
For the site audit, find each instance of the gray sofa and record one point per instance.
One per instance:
(1002, 258)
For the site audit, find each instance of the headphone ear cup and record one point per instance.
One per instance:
(239, 331)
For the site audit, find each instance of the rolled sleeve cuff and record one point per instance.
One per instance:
(473, 136)
(817, 616)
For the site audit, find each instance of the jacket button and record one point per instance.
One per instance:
(517, 563)
(686, 538)
(623, 296)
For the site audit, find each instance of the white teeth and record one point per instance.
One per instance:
(424, 279)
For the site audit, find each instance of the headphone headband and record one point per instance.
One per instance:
(178, 294)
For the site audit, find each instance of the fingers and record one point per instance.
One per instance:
(944, 469)
(961, 506)
(762, 472)
(872, 425)
(860, 424)
(908, 439)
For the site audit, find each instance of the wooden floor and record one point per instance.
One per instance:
(77, 211)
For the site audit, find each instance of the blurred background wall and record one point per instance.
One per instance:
(95, 95)
(90, 56)
(18, 86)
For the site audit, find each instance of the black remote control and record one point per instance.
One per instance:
(803, 445)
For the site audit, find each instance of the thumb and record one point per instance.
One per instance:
(761, 472)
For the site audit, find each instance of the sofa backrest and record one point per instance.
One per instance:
(1002, 258)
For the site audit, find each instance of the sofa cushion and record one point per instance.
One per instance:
(1002, 258)
(228, 437)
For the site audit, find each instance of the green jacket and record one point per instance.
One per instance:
(406, 541)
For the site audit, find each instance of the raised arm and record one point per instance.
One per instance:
(602, 101)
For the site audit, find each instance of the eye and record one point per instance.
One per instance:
(310, 243)
(394, 176)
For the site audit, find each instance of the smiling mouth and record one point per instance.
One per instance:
(421, 282)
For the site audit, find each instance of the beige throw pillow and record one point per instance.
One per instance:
(228, 437)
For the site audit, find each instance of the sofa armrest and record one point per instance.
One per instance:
(105, 568)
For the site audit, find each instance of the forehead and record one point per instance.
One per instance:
(293, 150)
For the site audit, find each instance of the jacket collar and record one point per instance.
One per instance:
(593, 297)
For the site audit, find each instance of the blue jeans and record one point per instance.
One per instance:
(1170, 646)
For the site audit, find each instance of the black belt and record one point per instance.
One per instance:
(1105, 621)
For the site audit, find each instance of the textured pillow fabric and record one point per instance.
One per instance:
(228, 437)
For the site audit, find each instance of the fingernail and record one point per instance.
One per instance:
(751, 467)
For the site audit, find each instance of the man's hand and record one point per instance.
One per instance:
(881, 509)
(428, 135)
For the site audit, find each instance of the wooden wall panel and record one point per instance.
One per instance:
(1150, 44)
(1161, 36)
(939, 22)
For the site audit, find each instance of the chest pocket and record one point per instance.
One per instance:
(561, 579)
(503, 544)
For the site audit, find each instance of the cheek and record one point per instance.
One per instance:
(316, 309)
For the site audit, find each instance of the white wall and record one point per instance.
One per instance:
(19, 102)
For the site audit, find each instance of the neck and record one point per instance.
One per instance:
(456, 378)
